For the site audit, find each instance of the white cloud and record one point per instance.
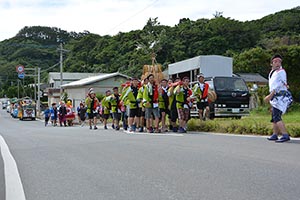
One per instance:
(111, 16)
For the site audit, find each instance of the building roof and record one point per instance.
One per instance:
(93, 79)
(252, 77)
(71, 75)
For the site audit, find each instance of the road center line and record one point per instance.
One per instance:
(13, 185)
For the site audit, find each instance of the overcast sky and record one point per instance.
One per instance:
(112, 16)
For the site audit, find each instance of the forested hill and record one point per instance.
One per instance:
(251, 43)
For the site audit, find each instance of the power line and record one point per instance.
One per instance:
(129, 18)
(44, 70)
(32, 45)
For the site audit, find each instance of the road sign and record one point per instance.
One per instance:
(21, 75)
(20, 68)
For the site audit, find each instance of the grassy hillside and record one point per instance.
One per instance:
(251, 43)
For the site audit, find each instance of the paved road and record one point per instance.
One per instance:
(57, 163)
(2, 182)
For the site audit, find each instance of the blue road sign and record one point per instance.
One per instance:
(22, 75)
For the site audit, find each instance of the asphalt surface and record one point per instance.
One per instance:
(70, 163)
(2, 180)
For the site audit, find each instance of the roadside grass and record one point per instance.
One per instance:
(257, 123)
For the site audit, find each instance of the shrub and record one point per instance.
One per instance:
(256, 123)
(260, 128)
(231, 127)
(294, 131)
(206, 126)
(193, 124)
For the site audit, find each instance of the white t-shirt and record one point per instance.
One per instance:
(277, 83)
(201, 86)
(277, 80)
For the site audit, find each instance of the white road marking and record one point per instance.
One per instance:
(207, 133)
(246, 136)
(153, 134)
(13, 185)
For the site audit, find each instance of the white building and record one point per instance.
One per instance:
(78, 90)
(67, 77)
(53, 91)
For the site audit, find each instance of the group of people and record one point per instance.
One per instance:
(56, 114)
(147, 105)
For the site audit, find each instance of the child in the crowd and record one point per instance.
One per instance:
(82, 113)
(78, 113)
(53, 111)
(47, 115)
(62, 112)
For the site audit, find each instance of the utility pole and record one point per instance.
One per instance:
(18, 88)
(23, 87)
(35, 84)
(39, 89)
(37, 74)
(61, 67)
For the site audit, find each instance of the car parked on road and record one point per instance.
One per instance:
(27, 109)
(4, 104)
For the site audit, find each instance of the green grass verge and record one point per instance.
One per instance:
(258, 123)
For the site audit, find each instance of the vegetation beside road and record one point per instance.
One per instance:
(250, 43)
(257, 123)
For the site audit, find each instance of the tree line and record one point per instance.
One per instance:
(250, 43)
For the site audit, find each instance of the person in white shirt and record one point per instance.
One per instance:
(279, 98)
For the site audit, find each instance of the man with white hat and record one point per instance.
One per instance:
(279, 98)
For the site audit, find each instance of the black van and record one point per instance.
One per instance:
(233, 97)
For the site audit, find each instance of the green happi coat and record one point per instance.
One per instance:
(181, 98)
(140, 96)
(106, 105)
(114, 101)
(163, 99)
(128, 98)
(197, 92)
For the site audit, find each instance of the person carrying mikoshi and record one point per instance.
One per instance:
(172, 104)
(200, 91)
(183, 100)
(125, 104)
(141, 107)
(163, 103)
(150, 101)
(106, 106)
(92, 103)
(115, 101)
(129, 95)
